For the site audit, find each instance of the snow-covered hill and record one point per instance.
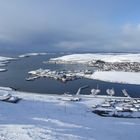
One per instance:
(47, 117)
(107, 57)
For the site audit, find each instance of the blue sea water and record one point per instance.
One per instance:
(18, 71)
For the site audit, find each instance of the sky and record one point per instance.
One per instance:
(70, 25)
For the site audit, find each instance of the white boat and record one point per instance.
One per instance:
(127, 100)
(70, 98)
(137, 105)
(31, 78)
(110, 92)
(75, 99)
(119, 108)
(68, 94)
(138, 101)
(133, 109)
(94, 106)
(105, 105)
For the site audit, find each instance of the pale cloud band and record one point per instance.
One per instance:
(69, 25)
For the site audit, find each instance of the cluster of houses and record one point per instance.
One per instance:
(63, 76)
(116, 66)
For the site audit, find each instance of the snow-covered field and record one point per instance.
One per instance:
(46, 117)
(107, 57)
(117, 77)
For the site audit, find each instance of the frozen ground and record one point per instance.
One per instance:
(46, 117)
(107, 57)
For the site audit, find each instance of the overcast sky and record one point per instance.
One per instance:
(70, 25)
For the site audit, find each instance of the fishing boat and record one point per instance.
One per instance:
(31, 78)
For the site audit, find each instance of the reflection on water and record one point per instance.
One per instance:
(18, 71)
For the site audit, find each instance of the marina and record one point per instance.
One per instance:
(118, 107)
(123, 106)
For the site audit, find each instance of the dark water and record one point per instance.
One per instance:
(18, 71)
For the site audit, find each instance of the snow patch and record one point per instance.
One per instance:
(117, 77)
(58, 123)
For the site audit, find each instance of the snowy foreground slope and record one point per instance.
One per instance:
(46, 117)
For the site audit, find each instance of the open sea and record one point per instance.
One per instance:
(18, 71)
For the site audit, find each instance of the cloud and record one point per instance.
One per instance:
(126, 39)
(129, 37)
(72, 25)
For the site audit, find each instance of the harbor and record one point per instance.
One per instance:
(103, 105)
(110, 106)
(118, 107)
